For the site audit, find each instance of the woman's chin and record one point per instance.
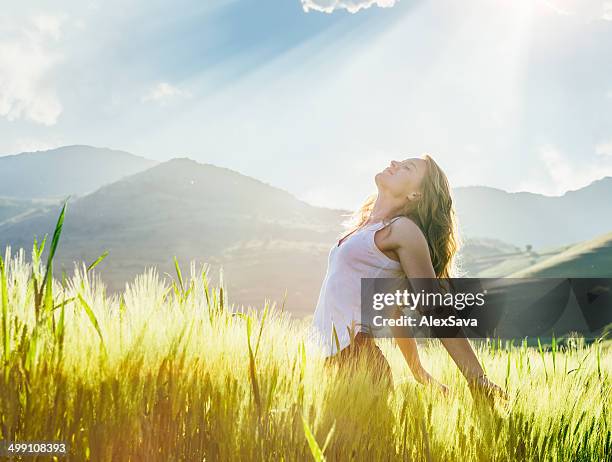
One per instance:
(379, 179)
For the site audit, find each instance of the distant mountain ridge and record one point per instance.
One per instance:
(69, 170)
(266, 240)
(519, 219)
(533, 219)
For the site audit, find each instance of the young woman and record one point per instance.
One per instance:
(407, 229)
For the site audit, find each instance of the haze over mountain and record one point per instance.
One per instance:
(515, 218)
(13, 208)
(266, 240)
(60, 172)
(533, 219)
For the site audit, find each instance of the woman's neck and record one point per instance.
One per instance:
(383, 209)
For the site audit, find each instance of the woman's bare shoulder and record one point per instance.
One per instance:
(406, 233)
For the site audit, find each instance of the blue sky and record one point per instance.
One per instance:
(515, 94)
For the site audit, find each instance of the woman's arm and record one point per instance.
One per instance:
(410, 351)
(408, 347)
(407, 240)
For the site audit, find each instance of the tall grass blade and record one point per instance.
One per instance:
(335, 337)
(92, 319)
(54, 243)
(4, 304)
(64, 303)
(541, 351)
(252, 366)
(61, 328)
(179, 275)
(507, 373)
(315, 449)
(261, 325)
(37, 250)
(48, 300)
(98, 261)
(598, 356)
(329, 437)
(553, 349)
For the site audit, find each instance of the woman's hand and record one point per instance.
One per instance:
(481, 385)
(424, 378)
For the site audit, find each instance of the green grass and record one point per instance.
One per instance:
(167, 371)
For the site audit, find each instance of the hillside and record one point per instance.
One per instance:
(534, 219)
(592, 258)
(15, 209)
(478, 254)
(518, 219)
(504, 265)
(60, 172)
(266, 240)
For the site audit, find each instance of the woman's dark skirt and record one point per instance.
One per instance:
(363, 347)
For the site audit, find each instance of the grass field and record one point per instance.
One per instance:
(166, 371)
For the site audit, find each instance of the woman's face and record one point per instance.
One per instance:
(402, 179)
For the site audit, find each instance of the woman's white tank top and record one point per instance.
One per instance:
(339, 305)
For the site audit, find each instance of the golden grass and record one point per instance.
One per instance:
(174, 374)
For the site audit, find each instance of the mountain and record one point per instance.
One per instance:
(75, 170)
(533, 219)
(12, 209)
(265, 239)
(476, 254)
(592, 258)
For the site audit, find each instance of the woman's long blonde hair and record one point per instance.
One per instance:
(434, 215)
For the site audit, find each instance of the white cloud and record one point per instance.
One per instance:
(559, 170)
(164, 92)
(587, 10)
(604, 149)
(352, 6)
(28, 56)
(557, 9)
(49, 25)
(561, 174)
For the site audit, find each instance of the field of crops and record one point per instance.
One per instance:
(167, 370)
